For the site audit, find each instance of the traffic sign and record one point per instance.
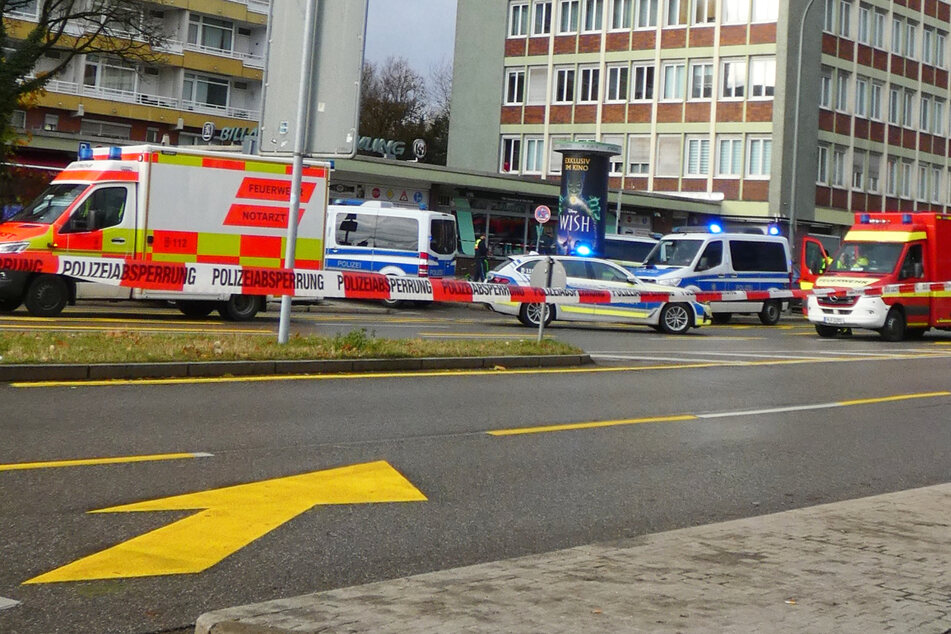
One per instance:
(542, 214)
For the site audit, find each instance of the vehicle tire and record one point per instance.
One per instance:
(47, 296)
(721, 318)
(826, 332)
(529, 314)
(676, 319)
(771, 312)
(240, 307)
(894, 328)
(195, 308)
(10, 304)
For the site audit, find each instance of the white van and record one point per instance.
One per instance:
(627, 250)
(723, 262)
(380, 238)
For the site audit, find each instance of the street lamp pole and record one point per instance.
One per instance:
(795, 148)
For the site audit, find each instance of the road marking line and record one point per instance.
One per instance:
(633, 357)
(889, 399)
(6, 603)
(83, 462)
(158, 329)
(603, 423)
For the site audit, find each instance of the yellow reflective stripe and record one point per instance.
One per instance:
(639, 314)
(174, 257)
(108, 246)
(308, 248)
(180, 159)
(581, 310)
(225, 244)
(270, 263)
(859, 235)
(267, 168)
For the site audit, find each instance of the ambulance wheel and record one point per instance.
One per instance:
(10, 304)
(675, 319)
(240, 307)
(826, 332)
(721, 318)
(529, 314)
(47, 296)
(894, 328)
(772, 311)
(195, 308)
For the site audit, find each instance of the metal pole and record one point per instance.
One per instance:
(300, 134)
(795, 149)
(542, 312)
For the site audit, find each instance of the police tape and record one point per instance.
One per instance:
(200, 278)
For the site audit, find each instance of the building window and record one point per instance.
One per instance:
(838, 167)
(760, 158)
(697, 161)
(905, 181)
(729, 157)
(897, 28)
(940, 42)
(541, 22)
(858, 170)
(924, 114)
(911, 40)
(668, 155)
(554, 158)
(51, 122)
(205, 90)
(936, 181)
(762, 77)
(765, 11)
(865, 24)
(638, 154)
(617, 83)
(151, 135)
(907, 109)
(674, 82)
(593, 14)
(511, 153)
(822, 164)
(568, 16)
(825, 88)
(615, 163)
(704, 11)
(677, 12)
(646, 14)
(643, 83)
(891, 177)
(621, 14)
(874, 168)
(109, 75)
(861, 97)
(845, 17)
(106, 129)
(18, 119)
(208, 32)
(534, 155)
(842, 91)
(828, 16)
(515, 87)
(734, 79)
(564, 85)
(894, 106)
(537, 84)
(937, 121)
(701, 80)
(875, 102)
(927, 45)
(590, 88)
(518, 20)
(736, 11)
(923, 188)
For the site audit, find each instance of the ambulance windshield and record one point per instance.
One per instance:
(866, 257)
(49, 205)
(673, 253)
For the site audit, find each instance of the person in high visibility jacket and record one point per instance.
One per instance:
(481, 258)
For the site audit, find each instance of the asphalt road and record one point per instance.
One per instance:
(665, 432)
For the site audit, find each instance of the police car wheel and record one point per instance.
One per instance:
(10, 304)
(894, 328)
(240, 307)
(675, 319)
(529, 314)
(195, 308)
(772, 311)
(47, 296)
(826, 332)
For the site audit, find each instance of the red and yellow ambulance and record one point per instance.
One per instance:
(161, 204)
(882, 250)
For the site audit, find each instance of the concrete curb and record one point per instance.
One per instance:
(183, 369)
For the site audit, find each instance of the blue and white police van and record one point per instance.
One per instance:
(712, 260)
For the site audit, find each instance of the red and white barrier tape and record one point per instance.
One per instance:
(222, 279)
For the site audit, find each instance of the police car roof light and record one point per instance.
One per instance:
(715, 228)
(583, 250)
(773, 230)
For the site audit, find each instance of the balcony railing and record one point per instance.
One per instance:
(249, 59)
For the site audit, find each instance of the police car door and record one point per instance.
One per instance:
(101, 225)
(608, 277)
(578, 277)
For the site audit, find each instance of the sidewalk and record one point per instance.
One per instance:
(869, 565)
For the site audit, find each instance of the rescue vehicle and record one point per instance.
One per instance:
(163, 204)
(883, 249)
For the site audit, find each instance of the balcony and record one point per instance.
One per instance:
(250, 60)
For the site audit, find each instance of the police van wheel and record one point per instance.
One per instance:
(721, 318)
(195, 308)
(826, 332)
(47, 296)
(240, 307)
(894, 328)
(529, 314)
(772, 311)
(10, 304)
(675, 319)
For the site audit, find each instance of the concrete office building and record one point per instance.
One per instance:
(715, 100)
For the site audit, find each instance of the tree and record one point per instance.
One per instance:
(64, 29)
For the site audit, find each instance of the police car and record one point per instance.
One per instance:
(676, 317)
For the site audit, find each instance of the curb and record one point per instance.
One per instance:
(178, 369)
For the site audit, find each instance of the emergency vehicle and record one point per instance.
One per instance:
(162, 204)
(882, 249)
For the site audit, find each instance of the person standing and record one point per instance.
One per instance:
(481, 258)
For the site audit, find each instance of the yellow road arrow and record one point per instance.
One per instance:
(230, 519)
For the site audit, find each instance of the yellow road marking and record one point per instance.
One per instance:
(231, 518)
(889, 399)
(195, 328)
(590, 425)
(52, 464)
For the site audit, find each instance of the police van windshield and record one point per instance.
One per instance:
(866, 257)
(443, 236)
(49, 205)
(673, 253)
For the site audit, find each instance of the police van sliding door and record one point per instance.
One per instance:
(101, 225)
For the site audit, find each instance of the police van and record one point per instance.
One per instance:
(378, 237)
(711, 260)
(629, 251)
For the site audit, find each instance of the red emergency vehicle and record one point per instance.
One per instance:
(883, 249)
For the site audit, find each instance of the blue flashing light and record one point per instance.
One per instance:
(350, 202)
(583, 250)
(906, 219)
(773, 230)
(715, 228)
(115, 153)
(864, 218)
(85, 152)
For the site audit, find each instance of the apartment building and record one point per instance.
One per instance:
(715, 99)
(210, 71)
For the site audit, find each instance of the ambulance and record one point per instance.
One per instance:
(163, 204)
(882, 249)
